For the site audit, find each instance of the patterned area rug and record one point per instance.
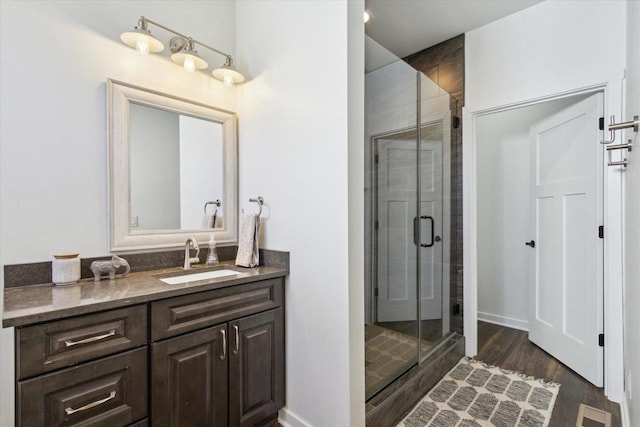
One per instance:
(475, 394)
(387, 354)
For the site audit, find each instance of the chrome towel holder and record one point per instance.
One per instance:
(217, 203)
(613, 127)
(260, 201)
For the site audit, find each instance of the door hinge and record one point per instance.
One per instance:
(376, 225)
(601, 232)
(375, 292)
(601, 123)
(456, 309)
(456, 122)
(601, 340)
(376, 158)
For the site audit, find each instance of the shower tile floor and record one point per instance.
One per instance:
(388, 354)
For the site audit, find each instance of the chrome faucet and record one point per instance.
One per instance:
(191, 241)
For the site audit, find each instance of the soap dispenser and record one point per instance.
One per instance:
(212, 257)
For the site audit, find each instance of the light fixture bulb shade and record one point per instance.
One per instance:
(138, 38)
(189, 59)
(228, 75)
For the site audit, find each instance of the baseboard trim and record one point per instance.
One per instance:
(624, 412)
(509, 322)
(289, 419)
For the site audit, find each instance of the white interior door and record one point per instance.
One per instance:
(397, 260)
(566, 274)
(431, 230)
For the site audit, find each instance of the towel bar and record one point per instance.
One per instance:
(613, 127)
(217, 203)
(259, 200)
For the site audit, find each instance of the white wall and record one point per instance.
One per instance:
(294, 151)
(632, 222)
(548, 48)
(502, 144)
(55, 57)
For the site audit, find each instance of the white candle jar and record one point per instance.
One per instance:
(65, 269)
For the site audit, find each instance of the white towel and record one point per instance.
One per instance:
(207, 221)
(248, 241)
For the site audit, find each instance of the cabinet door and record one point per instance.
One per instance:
(256, 368)
(189, 380)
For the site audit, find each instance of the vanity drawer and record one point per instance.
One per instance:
(49, 346)
(175, 316)
(108, 392)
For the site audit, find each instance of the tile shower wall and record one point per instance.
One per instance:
(444, 64)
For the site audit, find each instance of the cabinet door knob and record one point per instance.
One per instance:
(235, 351)
(531, 243)
(223, 333)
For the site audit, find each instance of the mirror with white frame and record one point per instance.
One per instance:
(172, 170)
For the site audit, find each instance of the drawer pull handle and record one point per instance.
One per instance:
(235, 328)
(91, 339)
(224, 344)
(70, 410)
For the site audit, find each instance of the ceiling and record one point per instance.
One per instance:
(408, 26)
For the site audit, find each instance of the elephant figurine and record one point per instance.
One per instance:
(109, 266)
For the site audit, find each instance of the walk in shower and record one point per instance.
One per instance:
(408, 163)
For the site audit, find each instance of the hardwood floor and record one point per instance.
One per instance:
(511, 349)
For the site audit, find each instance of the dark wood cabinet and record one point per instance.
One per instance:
(226, 375)
(179, 315)
(256, 368)
(54, 345)
(108, 392)
(189, 380)
(210, 359)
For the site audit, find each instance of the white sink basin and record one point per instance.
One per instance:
(198, 276)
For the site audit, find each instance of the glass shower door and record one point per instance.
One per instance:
(391, 330)
(408, 130)
(434, 239)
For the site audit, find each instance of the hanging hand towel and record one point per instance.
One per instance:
(248, 241)
(207, 221)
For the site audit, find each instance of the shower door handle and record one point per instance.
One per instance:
(430, 218)
(416, 231)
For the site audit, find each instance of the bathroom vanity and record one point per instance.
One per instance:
(139, 351)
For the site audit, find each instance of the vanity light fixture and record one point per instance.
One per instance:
(183, 51)
(140, 39)
(186, 55)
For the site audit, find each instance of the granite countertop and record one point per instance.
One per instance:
(24, 305)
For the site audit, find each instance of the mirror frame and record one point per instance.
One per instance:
(121, 238)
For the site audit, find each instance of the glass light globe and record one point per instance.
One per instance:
(227, 80)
